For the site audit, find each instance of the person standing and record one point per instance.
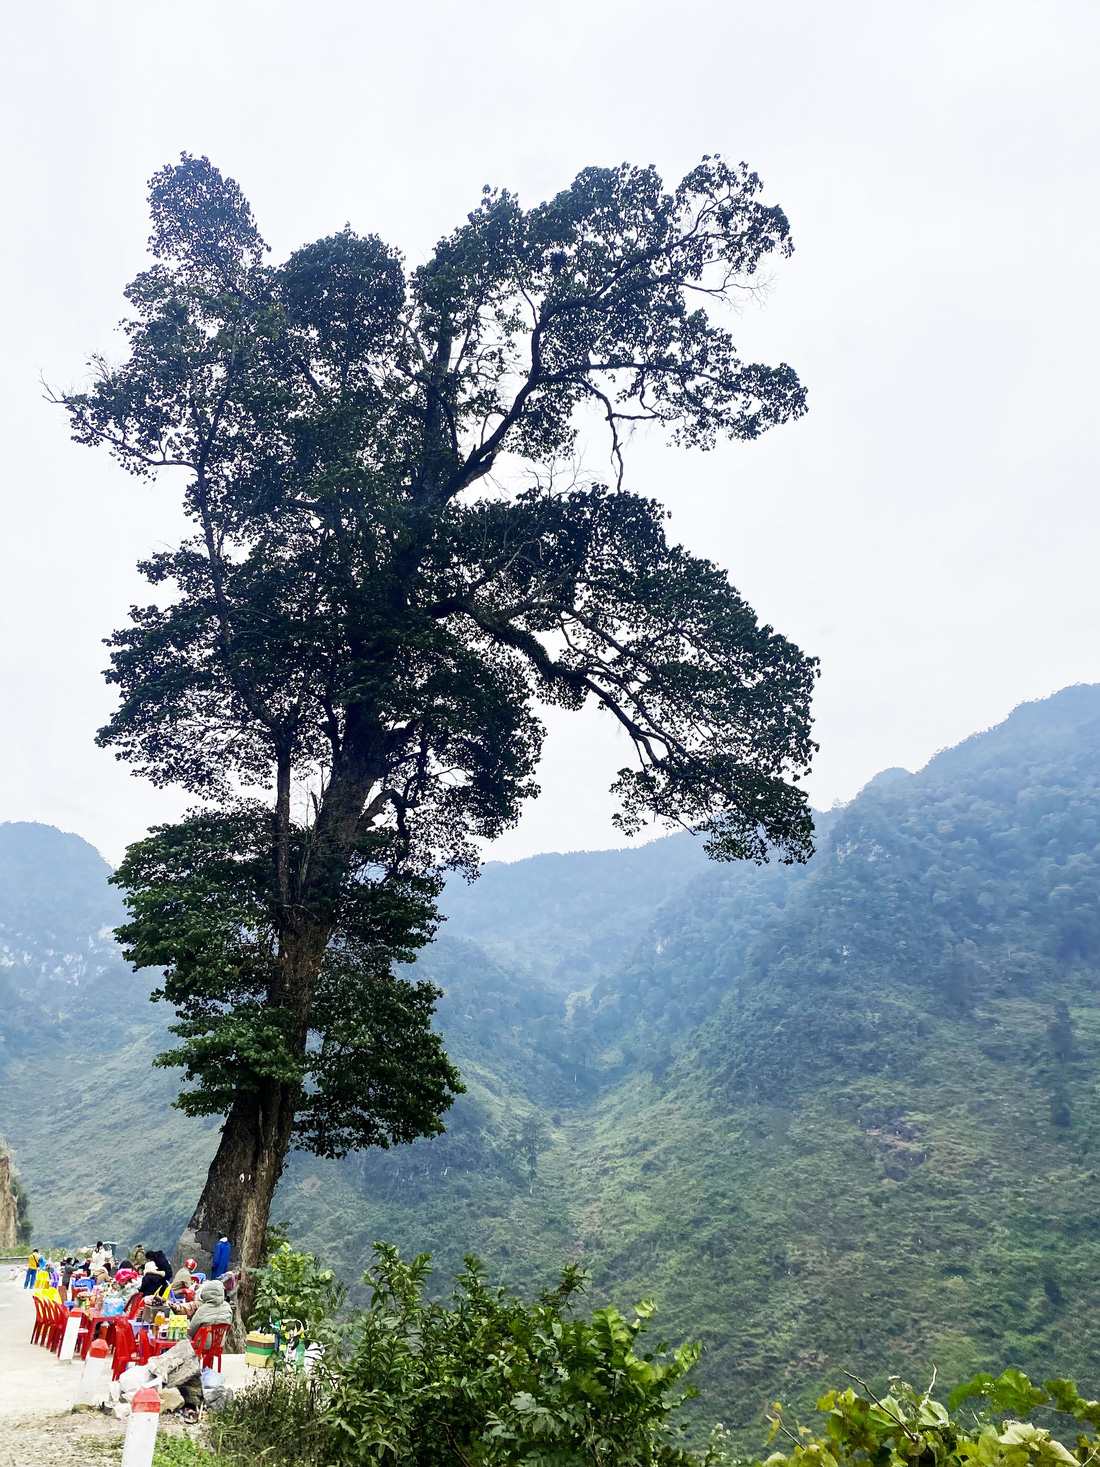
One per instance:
(220, 1261)
(138, 1257)
(32, 1268)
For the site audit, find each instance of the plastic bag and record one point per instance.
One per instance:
(211, 1378)
(135, 1378)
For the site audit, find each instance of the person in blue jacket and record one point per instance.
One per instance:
(220, 1261)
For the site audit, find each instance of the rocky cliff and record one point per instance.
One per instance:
(8, 1221)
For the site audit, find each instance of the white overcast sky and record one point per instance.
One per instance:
(929, 530)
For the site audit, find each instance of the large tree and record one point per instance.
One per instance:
(386, 577)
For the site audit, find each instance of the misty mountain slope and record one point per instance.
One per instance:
(56, 909)
(568, 919)
(837, 1116)
(879, 1146)
(949, 892)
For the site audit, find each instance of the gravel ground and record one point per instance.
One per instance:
(56, 1441)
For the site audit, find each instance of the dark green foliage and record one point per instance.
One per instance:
(491, 1380)
(24, 1223)
(485, 1379)
(362, 622)
(201, 907)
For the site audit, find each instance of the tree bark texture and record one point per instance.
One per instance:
(236, 1200)
(256, 1136)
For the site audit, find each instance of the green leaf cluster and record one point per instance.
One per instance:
(292, 1285)
(202, 905)
(904, 1428)
(488, 1379)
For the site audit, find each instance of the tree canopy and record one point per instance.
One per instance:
(394, 561)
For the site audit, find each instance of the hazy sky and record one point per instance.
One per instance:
(929, 529)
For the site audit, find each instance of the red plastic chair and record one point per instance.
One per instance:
(39, 1318)
(207, 1344)
(55, 1329)
(126, 1346)
(135, 1306)
(63, 1324)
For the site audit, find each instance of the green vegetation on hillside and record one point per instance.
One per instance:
(835, 1117)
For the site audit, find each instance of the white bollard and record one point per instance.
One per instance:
(68, 1340)
(96, 1379)
(141, 1429)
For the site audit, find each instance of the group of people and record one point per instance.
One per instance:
(148, 1271)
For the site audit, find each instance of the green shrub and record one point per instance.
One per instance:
(906, 1429)
(277, 1422)
(182, 1451)
(490, 1380)
(294, 1286)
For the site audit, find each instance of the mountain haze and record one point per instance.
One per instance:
(843, 1115)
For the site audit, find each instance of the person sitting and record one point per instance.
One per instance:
(182, 1278)
(137, 1257)
(213, 1308)
(152, 1280)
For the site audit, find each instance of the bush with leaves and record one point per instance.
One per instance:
(905, 1428)
(294, 1285)
(490, 1380)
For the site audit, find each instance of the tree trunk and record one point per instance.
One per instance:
(236, 1200)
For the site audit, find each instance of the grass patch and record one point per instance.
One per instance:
(275, 1422)
(184, 1451)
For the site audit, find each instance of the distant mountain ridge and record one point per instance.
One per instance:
(57, 913)
(569, 918)
(845, 1115)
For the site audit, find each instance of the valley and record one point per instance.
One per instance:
(841, 1116)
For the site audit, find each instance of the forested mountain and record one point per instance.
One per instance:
(836, 1116)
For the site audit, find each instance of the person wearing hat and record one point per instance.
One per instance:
(182, 1278)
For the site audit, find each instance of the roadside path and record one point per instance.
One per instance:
(37, 1428)
(37, 1424)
